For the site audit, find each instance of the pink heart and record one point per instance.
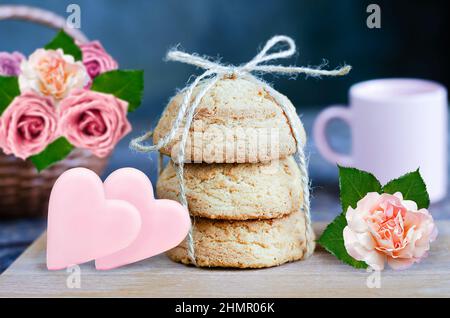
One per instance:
(165, 223)
(82, 224)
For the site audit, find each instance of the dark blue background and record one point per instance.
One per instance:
(138, 33)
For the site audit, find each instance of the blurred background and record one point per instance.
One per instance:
(412, 42)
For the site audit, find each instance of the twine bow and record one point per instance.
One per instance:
(215, 71)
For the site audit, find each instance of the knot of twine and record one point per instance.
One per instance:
(214, 72)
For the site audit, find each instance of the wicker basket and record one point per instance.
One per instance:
(23, 190)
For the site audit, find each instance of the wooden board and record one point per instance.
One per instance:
(320, 276)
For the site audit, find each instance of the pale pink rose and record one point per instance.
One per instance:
(93, 120)
(28, 125)
(96, 59)
(52, 73)
(384, 227)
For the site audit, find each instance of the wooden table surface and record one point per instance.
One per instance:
(320, 276)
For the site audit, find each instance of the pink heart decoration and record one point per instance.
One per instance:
(82, 224)
(165, 223)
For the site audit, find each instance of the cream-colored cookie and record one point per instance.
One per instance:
(236, 121)
(247, 244)
(236, 191)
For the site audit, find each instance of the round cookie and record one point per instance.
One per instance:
(236, 121)
(236, 191)
(246, 244)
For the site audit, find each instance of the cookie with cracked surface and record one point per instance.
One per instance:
(236, 191)
(246, 244)
(236, 121)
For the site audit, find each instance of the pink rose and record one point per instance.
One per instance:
(96, 60)
(28, 125)
(94, 120)
(384, 227)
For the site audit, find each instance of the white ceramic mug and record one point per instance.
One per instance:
(397, 126)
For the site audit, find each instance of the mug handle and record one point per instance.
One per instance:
(320, 136)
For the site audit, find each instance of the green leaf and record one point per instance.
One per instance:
(9, 89)
(333, 241)
(126, 85)
(65, 42)
(412, 187)
(354, 185)
(56, 151)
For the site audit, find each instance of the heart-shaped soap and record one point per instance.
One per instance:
(83, 224)
(165, 223)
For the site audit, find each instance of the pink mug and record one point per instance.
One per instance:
(397, 126)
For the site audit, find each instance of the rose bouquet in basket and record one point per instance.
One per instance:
(66, 95)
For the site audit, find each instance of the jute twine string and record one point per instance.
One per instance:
(216, 71)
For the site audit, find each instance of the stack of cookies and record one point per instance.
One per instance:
(242, 185)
